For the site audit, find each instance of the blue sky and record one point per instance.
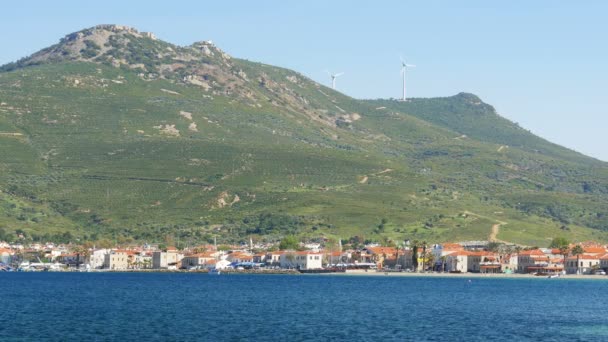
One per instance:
(543, 64)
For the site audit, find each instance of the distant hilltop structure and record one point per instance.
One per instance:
(111, 28)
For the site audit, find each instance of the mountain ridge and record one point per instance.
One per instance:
(188, 142)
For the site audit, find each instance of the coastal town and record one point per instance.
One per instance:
(564, 258)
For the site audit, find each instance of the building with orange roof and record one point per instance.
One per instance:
(532, 261)
(457, 261)
(582, 264)
(594, 250)
(195, 260)
(338, 257)
(379, 255)
(273, 258)
(239, 257)
(451, 247)
(485, 262)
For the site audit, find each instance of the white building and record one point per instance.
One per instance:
(97, 258)
(302, 260)
(582, 264)
(457, 261)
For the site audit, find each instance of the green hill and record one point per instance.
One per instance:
(113, 134)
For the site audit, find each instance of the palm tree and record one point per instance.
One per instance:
(415, 254)
(577, 250)
(423, 256)
(564, 250)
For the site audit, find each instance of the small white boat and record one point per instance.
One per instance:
(554, 276)
(214, 271)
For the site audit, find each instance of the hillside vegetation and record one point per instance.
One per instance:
(113, 134)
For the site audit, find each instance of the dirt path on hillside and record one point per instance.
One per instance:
(494, 233)
(495, 227)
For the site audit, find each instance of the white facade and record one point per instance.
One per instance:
(97, 258)
(457, 262)
(301, 260)
(586, 264)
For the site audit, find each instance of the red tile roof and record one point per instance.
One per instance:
(584, 257)
(594, 250)
(382, 250)
(532, 252)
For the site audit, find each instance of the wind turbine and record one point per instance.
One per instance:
(404, 67)
(333, 78)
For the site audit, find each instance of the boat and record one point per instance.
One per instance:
(553, 276)
(214, 271)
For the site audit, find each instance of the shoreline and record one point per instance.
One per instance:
(469, 275)
(352, 274)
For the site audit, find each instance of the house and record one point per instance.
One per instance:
(305, 260)
(198, 259)
(379, 255)
(457, 261)
(486, 262)
(531, 261)
(440, 253)
(582, 264)
(509, 263)
(168, 259)
(116, 261)
(537, 260)
(274, 258)
(337, 257)
(70, 259)
(239, 257)
(259, 258)
(142, 259)
(97, 258)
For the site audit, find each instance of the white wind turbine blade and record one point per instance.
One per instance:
(338, 74)
(410, 65)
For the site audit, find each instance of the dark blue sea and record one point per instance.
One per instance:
(201, 307)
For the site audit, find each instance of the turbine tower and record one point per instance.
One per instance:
(404, 67)
(333, 78)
